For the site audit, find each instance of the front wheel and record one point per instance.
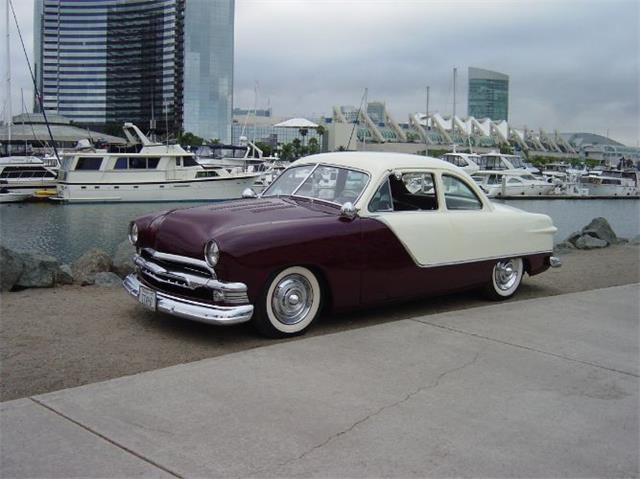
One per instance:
(290, 303)
(506, 277)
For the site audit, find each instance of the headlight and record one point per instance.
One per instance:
(133, 233)
(211, 253)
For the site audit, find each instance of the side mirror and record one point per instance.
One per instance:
(348, 211)
(249, 193)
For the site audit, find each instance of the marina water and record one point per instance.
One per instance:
(67, 231)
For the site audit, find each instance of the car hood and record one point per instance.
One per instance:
(186, 231)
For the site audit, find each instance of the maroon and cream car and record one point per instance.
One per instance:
(335, 231)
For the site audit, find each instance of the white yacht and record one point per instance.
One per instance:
(25, 175)
(247, 157)
(501, 161)
(157, 172)
(564, 178)
(507, 183)
(612, 183)
(219, 155)
(466, 161)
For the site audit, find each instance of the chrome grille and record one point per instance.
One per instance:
(178, 263)
(177, 274)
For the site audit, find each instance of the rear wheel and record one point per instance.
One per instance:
(290, 303)
(506, 277)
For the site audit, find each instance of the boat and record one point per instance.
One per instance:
(507, 183)
(7, 196)
(12, 197)
(612, 183)
(466, 161)
(26, 174)
(501, 161)
(220, 155)
(247, 158)
(564, 178)
(271, 172)
(157, 172)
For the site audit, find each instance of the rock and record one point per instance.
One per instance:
(39, 270)
(600, 228)
(564, 247)
(11, 267)
(64, 275)
(571, 239)
(123, 259)
(107, 279)
(92, 262)
(588, 242)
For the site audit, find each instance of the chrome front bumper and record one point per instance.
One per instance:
(191, 310)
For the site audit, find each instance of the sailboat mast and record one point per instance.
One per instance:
(366, 108)
(9, 110)
(453, 116)
(426, 125)
(255, 111)
(26, 145)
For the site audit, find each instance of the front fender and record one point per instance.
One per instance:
(330, 246)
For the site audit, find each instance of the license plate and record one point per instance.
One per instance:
(147, 297)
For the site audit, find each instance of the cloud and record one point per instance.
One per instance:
(573, 65)
(569, 69)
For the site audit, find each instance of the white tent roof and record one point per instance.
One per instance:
(297, 123)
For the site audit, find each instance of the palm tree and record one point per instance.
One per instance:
(303, 133)
(321, 132)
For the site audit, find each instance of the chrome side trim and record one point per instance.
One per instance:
(200, 312)
(474, 260)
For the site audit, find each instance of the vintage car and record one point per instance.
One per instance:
(335, 231)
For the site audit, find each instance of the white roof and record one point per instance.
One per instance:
(297, 123)
(376, 163)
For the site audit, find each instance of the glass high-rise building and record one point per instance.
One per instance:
(208, 68)
(162, 64)
(488, 94)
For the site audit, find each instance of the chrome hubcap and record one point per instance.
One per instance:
(505, 274)
(292, 299)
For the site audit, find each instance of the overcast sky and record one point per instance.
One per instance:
(573, 64)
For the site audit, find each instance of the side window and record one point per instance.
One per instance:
(458, 195)
(89, 163)
(381, 200)
(137, 162)
(121, 163)
(413, 191)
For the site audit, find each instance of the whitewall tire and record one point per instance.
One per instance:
(506, 277)
(290, 304)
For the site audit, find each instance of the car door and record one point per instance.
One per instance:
(409, 232)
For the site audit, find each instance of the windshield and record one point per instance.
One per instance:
(323, 182)
(517, 162)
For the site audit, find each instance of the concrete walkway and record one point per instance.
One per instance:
(537, 388)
